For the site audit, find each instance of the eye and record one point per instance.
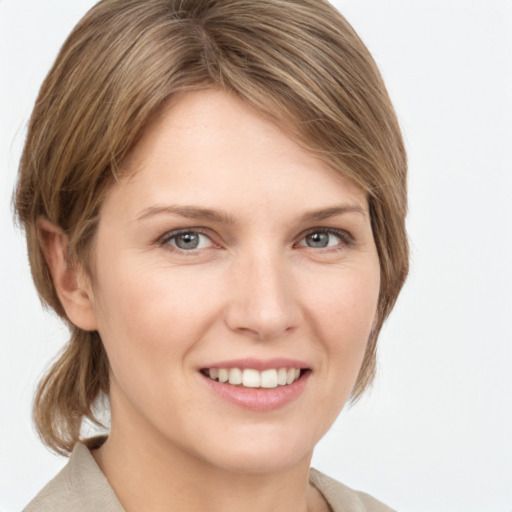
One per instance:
(324, 239)
(188, 240)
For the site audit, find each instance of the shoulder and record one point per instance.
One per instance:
(344, 499)
(80, 486)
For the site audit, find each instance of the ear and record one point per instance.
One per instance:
(71, 281)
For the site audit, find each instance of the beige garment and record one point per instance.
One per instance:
(82, 487)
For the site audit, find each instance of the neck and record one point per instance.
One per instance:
(149, 473)
(147, 479)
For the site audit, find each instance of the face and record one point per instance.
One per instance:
(229, 252)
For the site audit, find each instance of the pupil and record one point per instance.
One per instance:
(318, 240)
(187, 241)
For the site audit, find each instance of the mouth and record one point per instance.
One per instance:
(270, 378)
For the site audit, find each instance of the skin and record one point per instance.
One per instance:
(255, 287)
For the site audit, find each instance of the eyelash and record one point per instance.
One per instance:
(164, 240)
(345, 239)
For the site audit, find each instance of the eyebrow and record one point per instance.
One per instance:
(220, 217)
(189, 212)
(334, 211)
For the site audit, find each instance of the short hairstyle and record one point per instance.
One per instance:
(297, 62)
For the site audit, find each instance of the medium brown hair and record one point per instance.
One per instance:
(298, 62)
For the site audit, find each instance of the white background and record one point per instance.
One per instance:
(435, 433)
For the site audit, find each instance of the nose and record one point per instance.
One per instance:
(263, 300)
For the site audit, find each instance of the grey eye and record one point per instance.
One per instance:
(321, 239)
(189, 240)
(318, 240)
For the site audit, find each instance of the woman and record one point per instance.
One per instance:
(214, 200)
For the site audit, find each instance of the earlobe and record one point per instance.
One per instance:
(70, 280)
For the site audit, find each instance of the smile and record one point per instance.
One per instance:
(252, 378)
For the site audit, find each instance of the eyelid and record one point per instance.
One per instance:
(169, 235)
(345, 237)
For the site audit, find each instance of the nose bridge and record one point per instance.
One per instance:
(263, 301)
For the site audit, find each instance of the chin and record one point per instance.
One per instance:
(249, 462)
(260, 453)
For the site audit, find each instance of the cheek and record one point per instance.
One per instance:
(153, 314)
(346, 305)
(148, 323)
(342, 315)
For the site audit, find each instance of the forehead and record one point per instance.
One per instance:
(209, 146)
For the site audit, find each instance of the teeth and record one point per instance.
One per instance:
(251, 378)
(269, 379)
(235, 376)
(281, 376)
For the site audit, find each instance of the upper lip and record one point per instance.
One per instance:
(260, 364)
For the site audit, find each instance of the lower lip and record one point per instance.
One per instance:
(259, 399)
